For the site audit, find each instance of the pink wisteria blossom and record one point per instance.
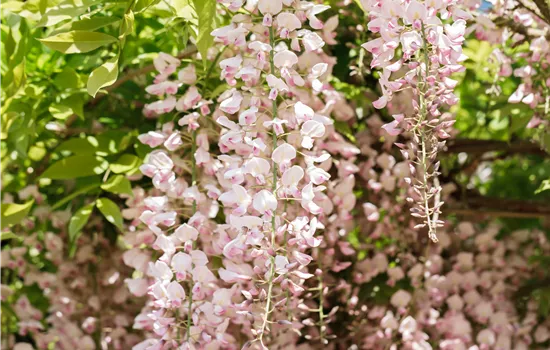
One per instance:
(430, 35)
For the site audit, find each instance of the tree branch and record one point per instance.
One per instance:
(544, 9)
(481, 206)
(528, 33)
(532, 10)
(473, 146)
(494, 213)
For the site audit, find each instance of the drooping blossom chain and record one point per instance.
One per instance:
(430, 52)
(269, 197)
(267, 271)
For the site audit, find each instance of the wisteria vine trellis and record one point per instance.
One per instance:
(243, 240)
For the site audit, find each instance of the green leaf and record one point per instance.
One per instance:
(9, 44)
(67, 79)
(86, 24)
(7, 235)
(88, 145)
(544, 186)
(75, 194)
(206, 11)
(60, 111)
(118, 184)
(76, 103)
(79, 219)
(6, 119)
(519, 117)
(142, 5)
(545, 142)
(56, 15)
(127, 25)
(542, 296)
(142, 150)
(76, 166)
(13, 6)
(77, 222)
(94, 23)
(34, 91)
(13, 213)
(125, 164)
(15, 78)
(77, 41)
(110, 142)
(102, 76)
(183, 9)
(43, 6)
(111, 211)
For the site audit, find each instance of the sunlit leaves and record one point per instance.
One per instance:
(206, 11)
(184, 9)
(127, 25)
(60, 111)
(118, 184)
(77, 41)
(13, 213)
(67, 79)
(102, 76)
(77, 222)
(15, 78)
(76, 166)
(91, 24)
(7, 120)
(125, 164)
(142, 5)
(544, 186)
(4, 235)
(57, 15)
(110, 211)
(102, 145)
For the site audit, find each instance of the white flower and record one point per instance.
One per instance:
(160, 270)
(311, 129)
(237, 196)
(186, 233)
(264, 202)
(303, 112)
(283, 154)
(285, 59)
(272, 7)
(175, 293)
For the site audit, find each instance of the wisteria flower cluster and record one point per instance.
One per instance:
(271, 211)
(430, 51)
(267, 181)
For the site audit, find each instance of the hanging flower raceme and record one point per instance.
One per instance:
(416, 50)
(187, 306)
(271, 179)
